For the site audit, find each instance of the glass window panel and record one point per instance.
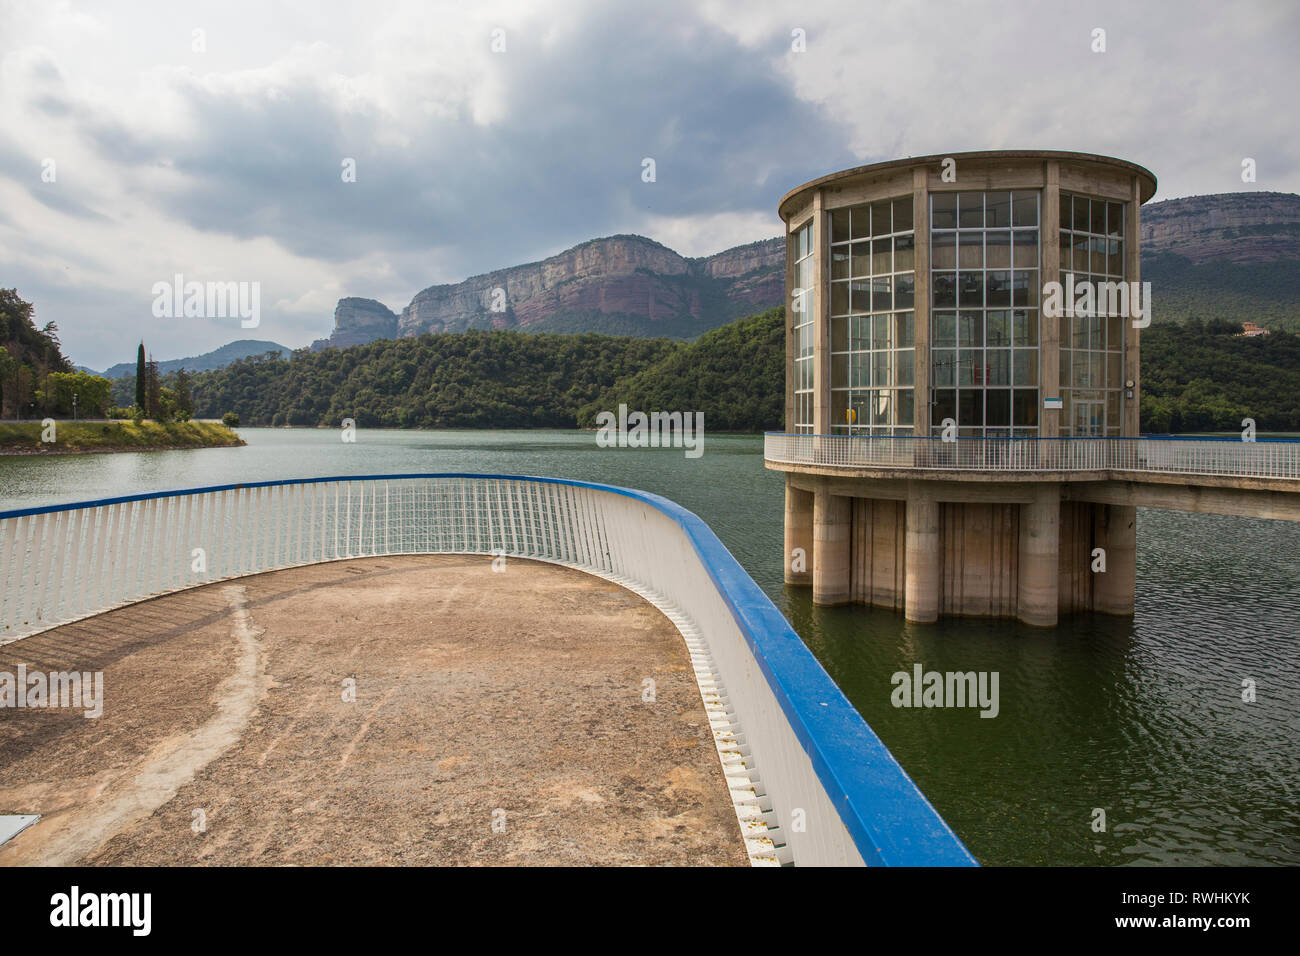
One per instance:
(1097, 248)
(943, 250)
(860, 332)
(1081, 255)
(968, 360)
(1025, 366)
(1067, 216)
(903, 214)
(1025, 407)
(997, 210)
(1115, 257)
(904, 253)
(860, 300)
(945, 329)
(999, 407)
(839, 335)
(861, 259)
(905, 366)
(1024, 287)
(880, 220)
(1065, 251)
(944, 289)
(904, 291)
(880, 329)
(1112, 408)
(1080, 214)
(945, 406)
(999, 289)
(1025, 208)
(1114, 374)
(1078, 332)
(1027, 248)
(839, 298)
(1024, 327)
(839, 225)
(970, 329)
(1114, 332)
(882, 298)
(970, 207)
(860, 369)
(861, 222)
(1099, 216)
(904, 323)
(970, 289)
(997, 329)
(1115, 219)
(945, 364)
(943, 210)
(970, 408)
(883, 405)
(998, 367)
(998, 250)
(839, 262)
(905, 412)
(1064, 377)
(1094, 331)
(839, 406)
(840, 370)
(970, 250)
(882, 258)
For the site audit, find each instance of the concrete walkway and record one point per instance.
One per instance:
(399, 710)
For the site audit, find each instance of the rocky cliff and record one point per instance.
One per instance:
(1228, 227)
(621, 283)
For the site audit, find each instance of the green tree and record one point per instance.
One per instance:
(140, 378)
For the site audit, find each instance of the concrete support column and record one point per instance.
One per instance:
(1116, 533)
(799, 556)
(1040, 531)
(923, 563)
(832, 547)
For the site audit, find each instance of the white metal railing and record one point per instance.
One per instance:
(817, 760)
(1265, 458)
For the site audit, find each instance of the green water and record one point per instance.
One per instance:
(1142, 718)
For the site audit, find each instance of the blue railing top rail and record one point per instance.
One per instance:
(966, 438)
(890, 820)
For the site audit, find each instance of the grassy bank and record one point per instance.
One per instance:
(24, 438)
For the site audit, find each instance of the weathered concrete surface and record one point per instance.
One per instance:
(476, 691)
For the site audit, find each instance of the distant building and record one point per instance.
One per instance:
(1250, 330)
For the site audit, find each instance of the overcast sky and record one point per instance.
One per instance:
(224, 163)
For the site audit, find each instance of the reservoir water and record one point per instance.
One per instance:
(1141, 718)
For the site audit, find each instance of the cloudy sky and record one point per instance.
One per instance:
(218, 154)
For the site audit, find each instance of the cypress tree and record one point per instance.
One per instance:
(139, 378)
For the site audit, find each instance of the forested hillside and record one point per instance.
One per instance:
(1196, 376)
(452, 380)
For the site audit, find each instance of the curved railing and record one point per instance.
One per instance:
(1226, 457)
(835, 792)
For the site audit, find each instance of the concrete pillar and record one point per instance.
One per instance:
(1116, 532)
(798, 535)
(832, 547)
(923, 563)
(1040, 525)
